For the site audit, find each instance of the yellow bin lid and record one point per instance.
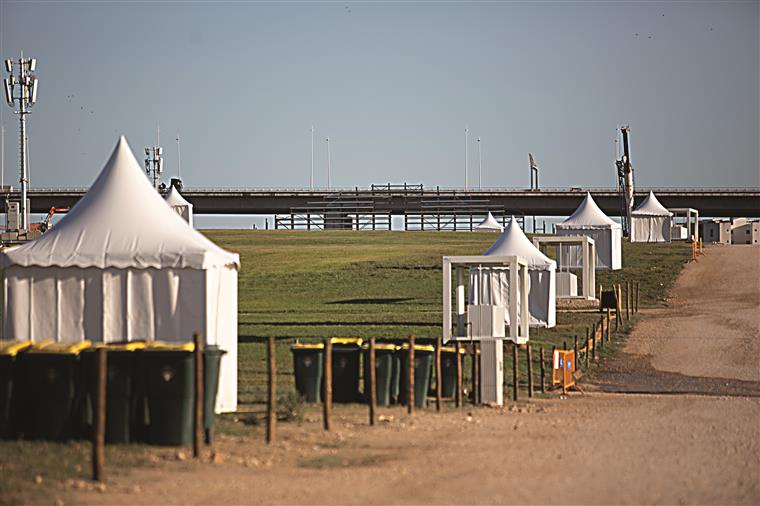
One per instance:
(130, 346)
(49, 346)
(419, 347)
(307, 346)
(166, 346)
(382, 346)
(357, 341)
(13, 347)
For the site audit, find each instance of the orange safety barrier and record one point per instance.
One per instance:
(563, 367)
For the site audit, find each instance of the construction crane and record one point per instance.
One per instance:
(533, 172)
(625, 182)
(45, 225)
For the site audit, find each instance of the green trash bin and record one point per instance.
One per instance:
(308, 368)
(51, 400)
(385, 354)
(423, 368)
(169, 375)
(121, 393)
(449, 370)
(212, 362)
(346, 368)
(8, 403)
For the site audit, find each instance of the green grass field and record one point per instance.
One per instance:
(311, 285)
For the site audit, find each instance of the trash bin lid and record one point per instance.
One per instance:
(13, 347)
(130, 346)
(382, 346)
(356, 341)
(419, 347)
(452, 349)
(165, 346)
(62, 348)
(307, 346)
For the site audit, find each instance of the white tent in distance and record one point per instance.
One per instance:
(650, 221)
(490, 285)
(590, 221)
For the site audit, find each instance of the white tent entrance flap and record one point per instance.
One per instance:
(650, 221)
(607, 234)
(102, 277)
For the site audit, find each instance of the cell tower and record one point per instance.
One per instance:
(21, 88)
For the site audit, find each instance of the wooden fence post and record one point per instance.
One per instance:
(99, 434)
(272, 396)
(515, 372)
(638, 295)
(438, 379)
(593, 340)
(373, 381)
(475, 374)
(609, 331)
(410, 378)
(543, 383)
(198, 424)
(575, 348)
(530, 370)
(601, 328)
(627, 301)
(327, 386)
(458, 359)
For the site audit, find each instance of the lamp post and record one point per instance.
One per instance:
(480, 167)
(311, 178)
(466, 135)
(22, 88)
(328, 162)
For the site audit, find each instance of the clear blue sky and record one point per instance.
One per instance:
(393, 85)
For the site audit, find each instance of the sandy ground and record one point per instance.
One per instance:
(674, 419)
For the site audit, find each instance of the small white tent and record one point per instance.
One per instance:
(490, 285)
(489, 224)
(650, 221)
(122, 266)
(590, 221)
(180, 206)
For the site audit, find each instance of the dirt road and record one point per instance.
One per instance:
(688, 434)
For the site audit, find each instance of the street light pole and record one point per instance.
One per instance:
(328, 162)
(466, 135)
(480, 167)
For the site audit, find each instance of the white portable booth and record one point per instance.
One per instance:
(180, 206)
(689, 230)
(588, 260)
(486, 323)
(489, 224)
(122, 266)
(650, 221)
(607, 234)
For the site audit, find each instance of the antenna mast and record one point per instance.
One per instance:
(22, 88)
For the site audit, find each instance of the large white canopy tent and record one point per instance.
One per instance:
(650, 221)
(122, 266)
(490, 285)
(489, 224)
(607, 234)
(180, 206)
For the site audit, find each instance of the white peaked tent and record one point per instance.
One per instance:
(180, 206)
(590, 221)
(490, 285)
(122, 266)
(489, 224)
(650, 221)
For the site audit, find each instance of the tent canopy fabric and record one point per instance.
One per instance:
(175, 198)
(513, 241)
(489, 223)
(650, 206)
(121, 222)
(588, 215)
